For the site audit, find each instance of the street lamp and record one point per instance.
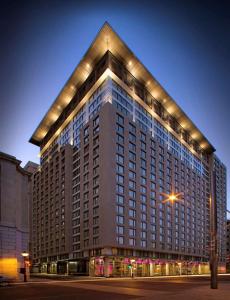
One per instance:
(172, 197)
(25, 256)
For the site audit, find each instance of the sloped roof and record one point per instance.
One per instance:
(108, 39)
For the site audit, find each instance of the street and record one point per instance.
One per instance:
(138, 288)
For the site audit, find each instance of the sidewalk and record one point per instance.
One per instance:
(34, 276)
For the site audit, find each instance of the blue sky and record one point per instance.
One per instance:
(184, 44)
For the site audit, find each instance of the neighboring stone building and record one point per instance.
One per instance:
(113, 146)
(14, 212)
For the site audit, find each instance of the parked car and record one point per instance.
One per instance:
(5, 281)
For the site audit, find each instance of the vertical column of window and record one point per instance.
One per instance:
(78, 122)
(143, 190)
(107, 95)
(161, 133)
(76, 202)
(56, 182)
(132, 185)
(85, 213)
(96, 187)
(160, 184)
(120, 209)
(152, 181)
(62, 231)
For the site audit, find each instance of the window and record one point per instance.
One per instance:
(132, 194)
(120, 169)
(132, 175)
(132, 213)
(153, 185)
(143, 225)
(132, 242)
(86, 186)
(119, 158)
(95, 200)
(143, 154)
(132, 128)
(120, 199)
(95, 161)
(132, 203)
(143, 163)
(86, 158)
(143, 198)
(95, 211)
(143, 244)
(132, 232)
(120, 179)
(143, 136)
(120, 139)
(96, 181)
(143, 189)
(132, 147)
(132, 223)
(96, 130)
(143, 172)
(95, 240)
(86, 131)
(132, 137)
(96, 121)
(143, 234)
(132, 156)
(120, 189)
(143, 180)
(120, 119)
(120, 240)
(143, 145)
(95, 170)
(120, 149)
(132, 165)
(120, 230)
(120, 219)
(143, 207)
(120, 129)
(132, 184)
(120, 209)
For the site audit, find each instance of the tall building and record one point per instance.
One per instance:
(113, 146)
(14, 212)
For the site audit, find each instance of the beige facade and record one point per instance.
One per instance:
(125, 153)
(14, 212)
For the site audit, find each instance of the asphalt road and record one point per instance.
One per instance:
(119, 289)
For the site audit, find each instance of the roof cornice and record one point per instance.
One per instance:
(108, 40)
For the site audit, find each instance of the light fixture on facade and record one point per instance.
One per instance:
(172, 197)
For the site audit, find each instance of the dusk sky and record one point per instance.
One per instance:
(184, 44)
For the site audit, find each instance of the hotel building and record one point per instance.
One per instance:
(113, 146)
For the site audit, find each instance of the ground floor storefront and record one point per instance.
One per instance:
(144, 267)
(115, 266)
(66, 267)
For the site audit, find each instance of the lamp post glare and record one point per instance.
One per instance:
(172, 197)
(25, 255)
